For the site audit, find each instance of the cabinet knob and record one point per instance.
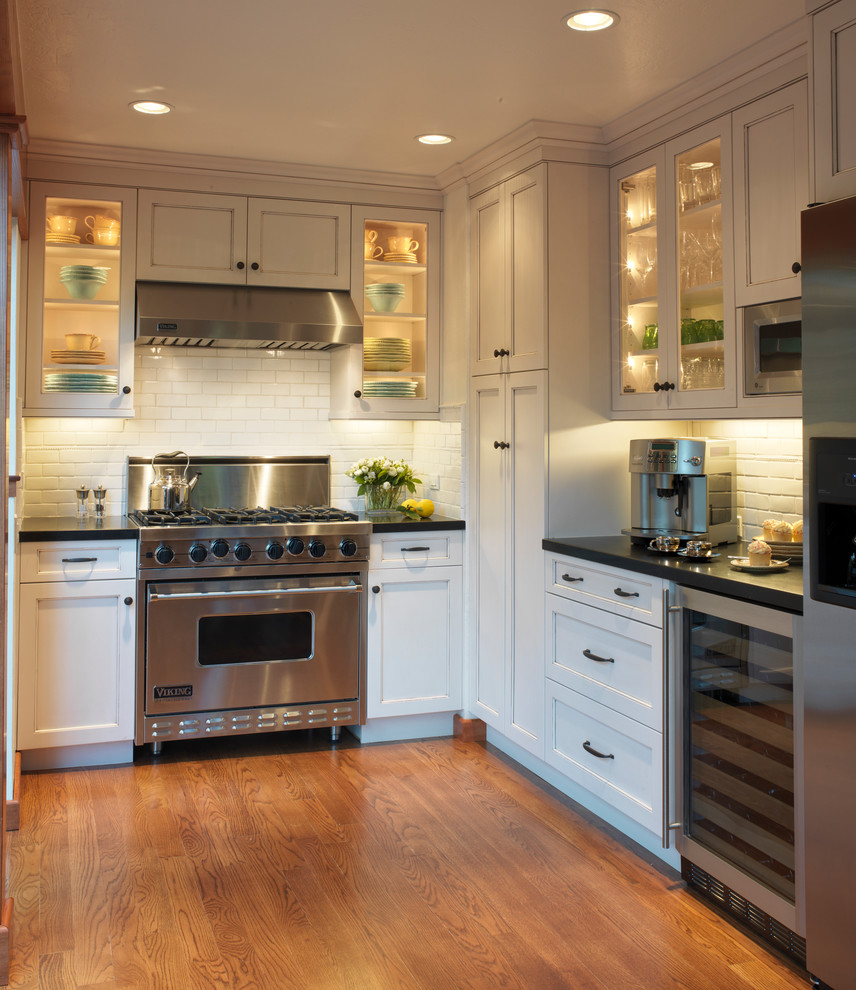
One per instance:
(240, 266)
(796, 268)
(129, 600)
(375, 589)
(255, 266)
(126, 389)
(500, 445)
(358, 394)
(663, 386)
(501, 352)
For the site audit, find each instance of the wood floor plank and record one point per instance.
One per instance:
(286, 862)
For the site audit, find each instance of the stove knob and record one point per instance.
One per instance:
(316, 548)
(219, 548)
(164, 554)
(243, 551)
(198, 553)
(347, 548)
(295, 546)
(274, 550)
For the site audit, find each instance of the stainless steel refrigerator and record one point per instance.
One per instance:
(829, 629)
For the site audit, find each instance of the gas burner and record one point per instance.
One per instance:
(169, 517)
(314, 513)
(244, 517)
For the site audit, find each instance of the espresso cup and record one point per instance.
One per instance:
(104, 236)
(402, 245)
(371, 236)
(61, 225)
(99, 221)
(699, 548)
(81, 341)
(665, 544)
(372, 251)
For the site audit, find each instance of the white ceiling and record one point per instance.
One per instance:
(348, 84)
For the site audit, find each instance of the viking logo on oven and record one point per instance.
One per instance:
(179, 691)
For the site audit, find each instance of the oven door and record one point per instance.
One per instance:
(222, 644)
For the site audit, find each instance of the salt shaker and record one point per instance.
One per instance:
(82, 501)
(100, 494)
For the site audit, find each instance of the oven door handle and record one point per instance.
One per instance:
(255, 593)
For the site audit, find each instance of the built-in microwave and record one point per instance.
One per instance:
(772, 348)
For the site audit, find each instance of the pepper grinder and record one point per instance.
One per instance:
(82, 501)
(100, 494)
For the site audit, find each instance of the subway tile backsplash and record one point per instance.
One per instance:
(769, 468)
(231, 402)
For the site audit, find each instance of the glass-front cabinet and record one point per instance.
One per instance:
(674, 299)
(395, 282)
(80, 301)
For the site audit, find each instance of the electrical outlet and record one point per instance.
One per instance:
(433, 482)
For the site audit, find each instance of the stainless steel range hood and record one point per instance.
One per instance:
(190, 315)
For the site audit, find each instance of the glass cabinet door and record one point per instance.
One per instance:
(700, 267)
(80, 301)
(396, 309)
(639, 282)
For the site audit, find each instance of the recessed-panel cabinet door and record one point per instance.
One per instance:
(834, 78)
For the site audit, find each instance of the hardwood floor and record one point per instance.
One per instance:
(282, 862)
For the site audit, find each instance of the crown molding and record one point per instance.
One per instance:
(785, 46)
(53, 153)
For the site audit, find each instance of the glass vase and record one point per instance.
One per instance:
(380, 500)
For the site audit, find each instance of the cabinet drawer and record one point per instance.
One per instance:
(629, 772)
(416, 549)
(611, 588)
(72, 560)
(611, 659)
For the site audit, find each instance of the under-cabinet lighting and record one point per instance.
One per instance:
(434, 138)
(150, 106)
(590, 20)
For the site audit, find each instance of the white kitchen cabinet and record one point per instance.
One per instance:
(674, 323)
(605, 680)
(834, 94)
(415, 624)
(395, 374)
(508, 424)
(509, 271)
(196, 237)
(77, 652)
(771, 189)
(80, 351)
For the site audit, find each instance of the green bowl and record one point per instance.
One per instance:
(83, 288)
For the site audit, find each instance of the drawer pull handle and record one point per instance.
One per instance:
(79, 560)
(596, 658)
(625, 594)
(567, 577)
(413, 549)
(601, 756)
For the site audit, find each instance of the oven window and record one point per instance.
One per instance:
(779, 347)
(259, 638)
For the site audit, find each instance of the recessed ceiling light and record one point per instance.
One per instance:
(434, 138)
(150, 106)
(590, 20)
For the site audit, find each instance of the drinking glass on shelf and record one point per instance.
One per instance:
(686, 189)
(703, 184)
(716, 182)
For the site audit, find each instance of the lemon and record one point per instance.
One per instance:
(410, 503)
(425, 508)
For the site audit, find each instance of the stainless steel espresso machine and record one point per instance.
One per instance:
(683, 487)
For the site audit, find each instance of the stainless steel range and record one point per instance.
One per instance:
(251, 601)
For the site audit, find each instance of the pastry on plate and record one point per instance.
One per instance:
(798, 531)
(768, 525)
(783, 532)
(759, 553)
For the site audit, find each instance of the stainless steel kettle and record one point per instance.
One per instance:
(171, 488)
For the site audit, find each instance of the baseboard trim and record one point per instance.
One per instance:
(13, 806)
(5, 940)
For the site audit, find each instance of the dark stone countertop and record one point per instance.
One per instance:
(36, 528)
(395, 522)
(780, 589)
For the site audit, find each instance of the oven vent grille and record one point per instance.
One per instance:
(756, 920)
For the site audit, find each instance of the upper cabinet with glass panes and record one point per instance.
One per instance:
(673, 303)
(80, 312)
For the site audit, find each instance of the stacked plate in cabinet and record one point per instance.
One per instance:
(389, 389)
(80, 381)
(78, 357)
(386, 353)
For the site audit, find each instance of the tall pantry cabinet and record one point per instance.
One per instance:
(521, 349)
